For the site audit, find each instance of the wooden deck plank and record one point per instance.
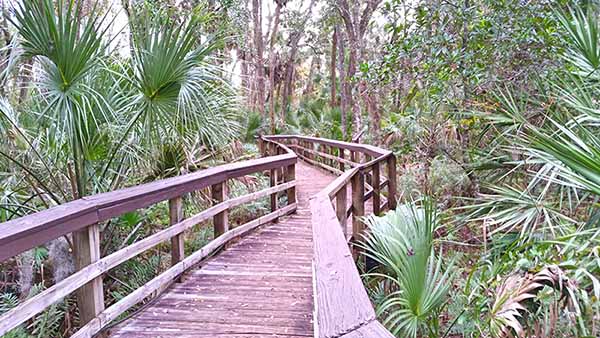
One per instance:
(260, 286)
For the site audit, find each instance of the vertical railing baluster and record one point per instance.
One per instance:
(376, 188)
(86, 250)
(341, 204)
(391, 167)
(176, 216)
(369, 174)
(290, 175)
(220, 220)
(273, 197)
(341, 156)
(358, 203)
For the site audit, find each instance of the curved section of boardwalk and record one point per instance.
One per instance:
(260, 286)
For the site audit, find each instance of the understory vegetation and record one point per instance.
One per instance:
(491, 108)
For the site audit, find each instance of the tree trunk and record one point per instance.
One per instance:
(332, 65)
(290, 64)
(258, 57)
(344, 88)
(314, 64)
(356, 25)
(272, 65)
(7, 39)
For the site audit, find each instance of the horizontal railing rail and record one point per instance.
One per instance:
(342, 306)
(81, 218)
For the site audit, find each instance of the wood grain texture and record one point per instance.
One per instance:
(261, 286)
(270, 283)
(86, 250)
(55, 293)
(36, 229)
(341, 300)
(373, 329)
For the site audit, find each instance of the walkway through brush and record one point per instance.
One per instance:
(289, 273)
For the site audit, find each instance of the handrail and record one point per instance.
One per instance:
(81, 218)
(342, 306)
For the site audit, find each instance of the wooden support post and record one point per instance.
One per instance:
(290, 175)
(369, 175)
(86, 249)
(392, 182)
(261, 146)
(280, 173)
(341, 202)
(376, 189)
(176, 216)
(273, 182)
(341, 155)
(358, 204)
(220, 220)
(353, 156)
(332, 162)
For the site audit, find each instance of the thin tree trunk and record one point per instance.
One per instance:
(314, 64)
(291, 62)
(7, 40)
(272, 65)
(343, 83)
(258, 61)
(332, 65)
(356, 25)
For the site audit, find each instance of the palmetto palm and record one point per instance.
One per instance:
(558, 147)
(402, 242)
(99, 115)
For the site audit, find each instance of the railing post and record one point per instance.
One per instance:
(290, 175)
(220, 220)
(353, 156)
(176, 216)
(332, 153)
(341, 203)
(273, 182)
(341, 156)
(392, 183)
(86, 249)
(261, 146)
(358, 203)
(369, 175)
(376, 188)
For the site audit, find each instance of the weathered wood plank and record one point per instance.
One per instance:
(340, 297)
(392, 182)
(168, 276)
(369, 149)
(176, 216)
(373, 329)
(86, 250)
(55, 293)
(220, 220)
(30, 231)
(358, 204)
(376, 183)
(340, 160)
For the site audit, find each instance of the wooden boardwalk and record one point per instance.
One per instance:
(259, 286)
(292, 278)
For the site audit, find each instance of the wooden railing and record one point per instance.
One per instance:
(82, 219)
(342, 306)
